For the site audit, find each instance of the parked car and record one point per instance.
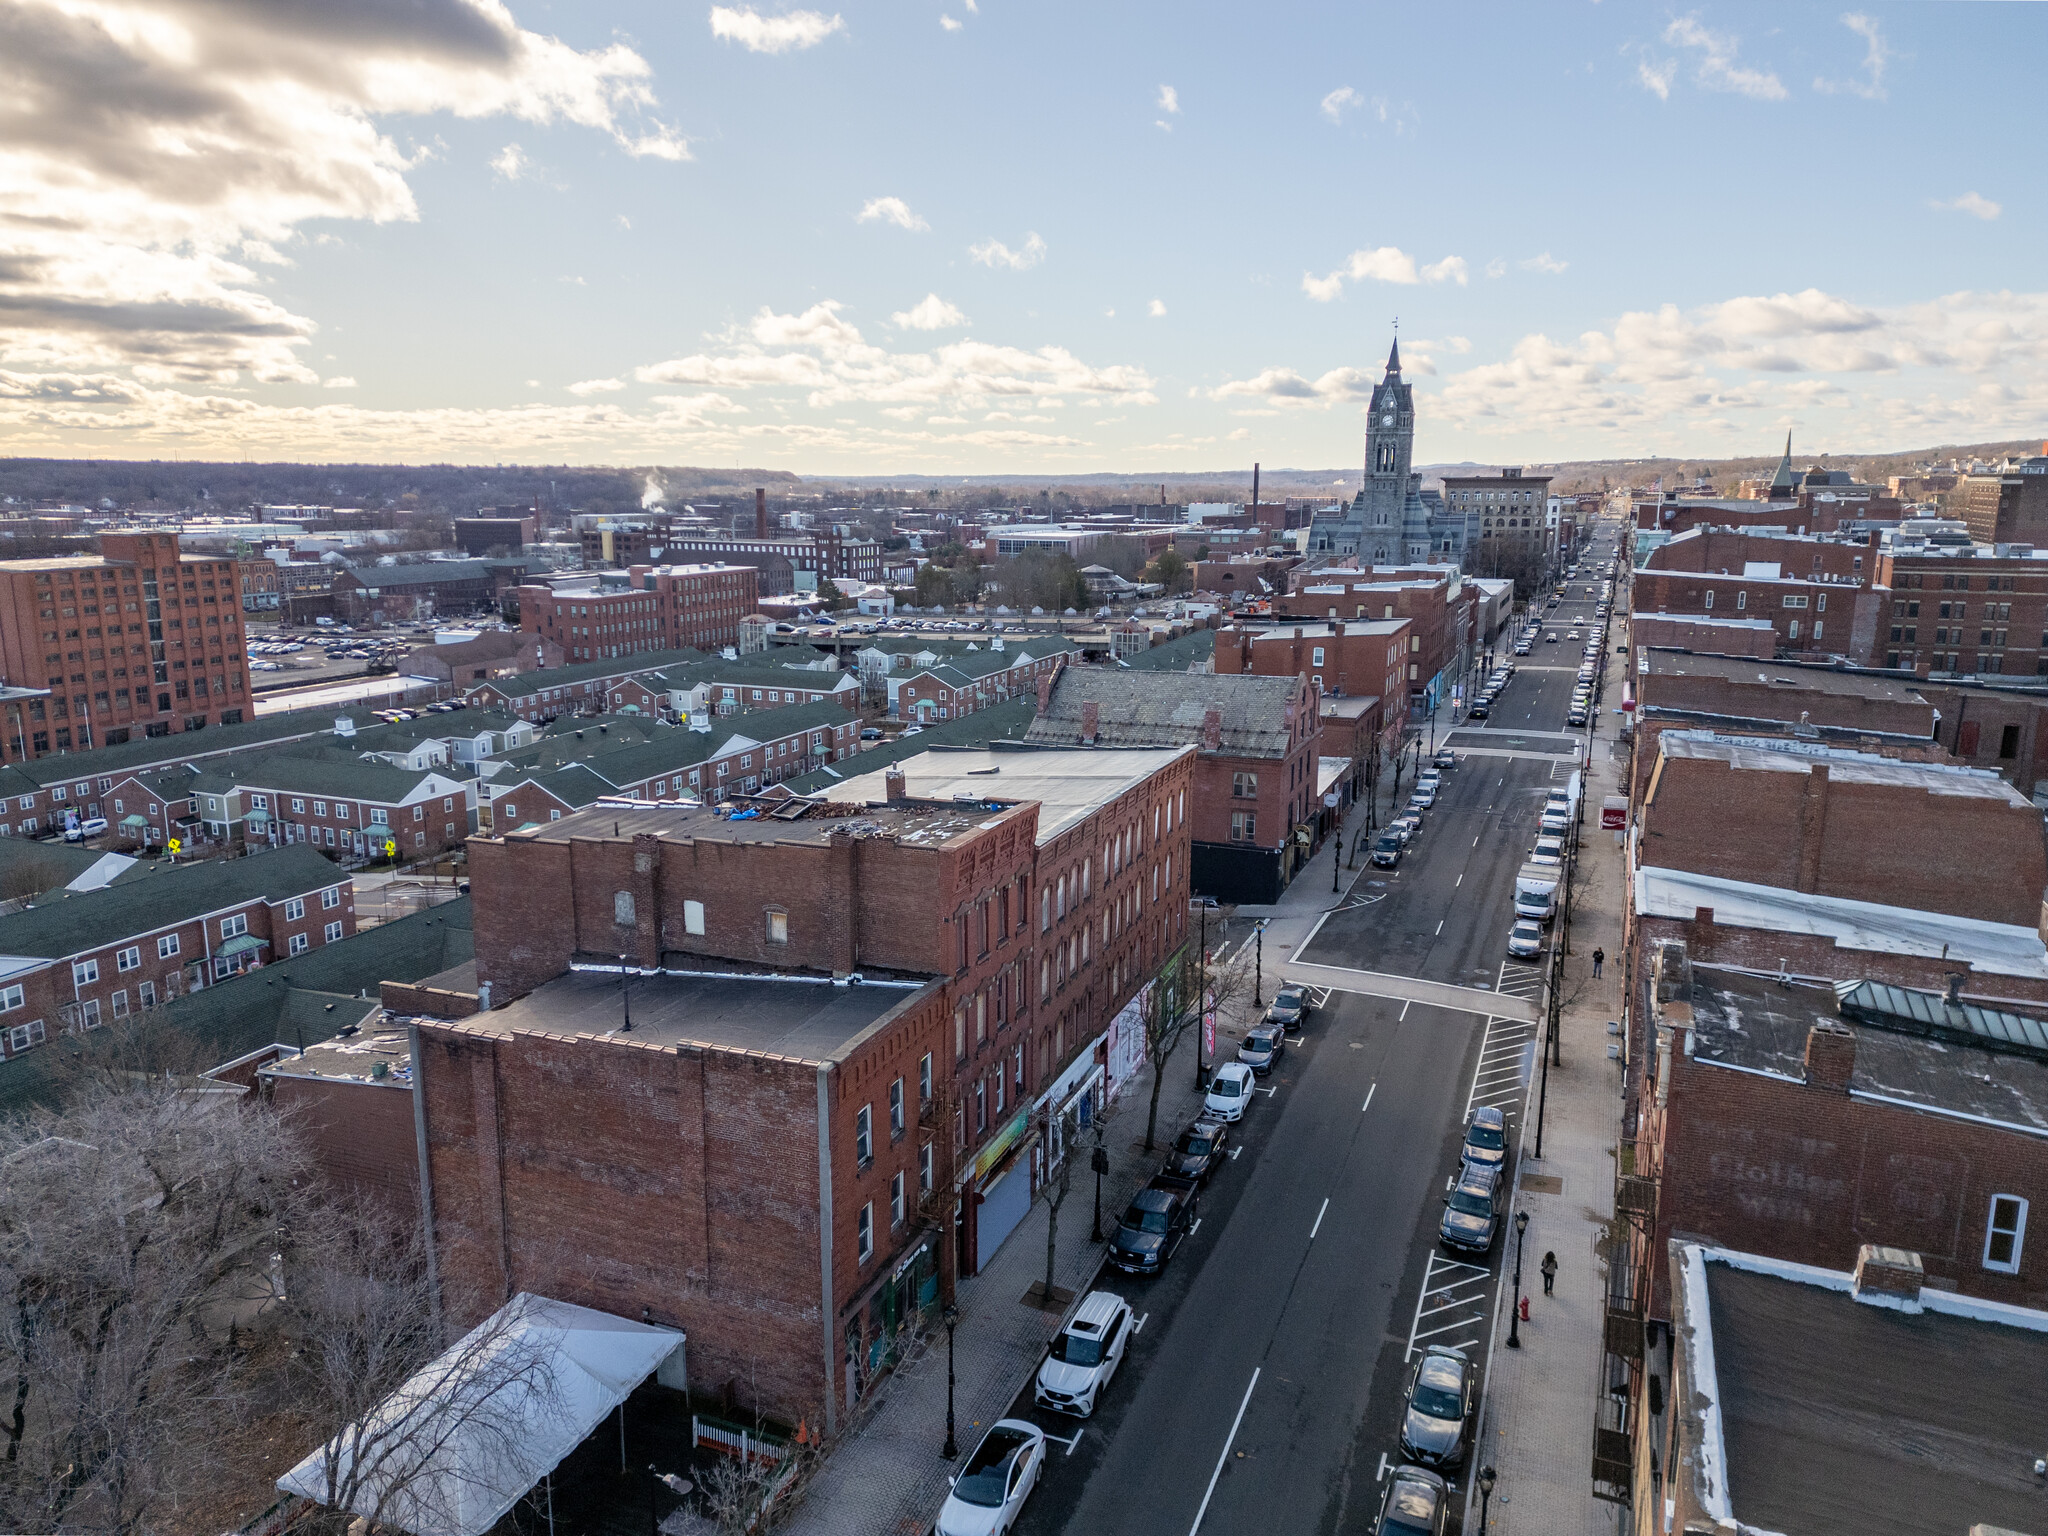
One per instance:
(1521, 647)
(1230, 1090)
(1422, 797)
(1525, 939)
(1085, 1355)
(92, 826)
(1472, 1210)
(1408, 823)
(1417, 1503)
(1549, 849)
(1480, 710)
(1439, 1410)
(992, 1484)
(1486, 1139)
(1386, 850)
(1555, 821)
(1290, 1006)
(1262, 1048)
(1153, 1224)
(1576, 715)
(1198, 1152)
(1445, 758)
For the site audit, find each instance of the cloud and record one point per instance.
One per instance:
(1544, 262)
(156, 152)
(890, 210)
(1972, 204)
(596, 387)
(339, 381)
(1497, 267)
(1718, 70)
(930, 313)
(949, 23)
(1338, 102)
(993, 253)
(510, 162)
(1168, 100)
(1285, 387)
(1656, 75)
(1877, 55)
(756, 33)
(1384, 264)
(1156, 309)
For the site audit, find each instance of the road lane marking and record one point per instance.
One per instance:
(1375, 1088)
(1139, 1326)
(1440, 924)
(1220, 1460)
(1068, 1443)
(1381, 1476)
(1404, 1010)
(1458, 882)
(1312, 1231)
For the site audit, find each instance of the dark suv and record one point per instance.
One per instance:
(1486, 1139)
(1472, 1211)
(1198, 1153)
(1151, 1227)
(1439, 1408)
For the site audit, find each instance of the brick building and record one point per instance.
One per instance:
(971, 680)
(579, 688)
(495, 653)
(80, 959)
(1359, 660)
(137, 640)
(1979, 612)
(833, 555)
(1256, 775)
(1817, 617)
(654, 608)
(1512, 513)
(1696, 632)
(1441, 607)
(2005, 506)
(405, 594)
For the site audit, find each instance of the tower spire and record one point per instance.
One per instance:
(1394, 356)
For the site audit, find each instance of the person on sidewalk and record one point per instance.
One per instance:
(1599, 959)
(1549, 1271)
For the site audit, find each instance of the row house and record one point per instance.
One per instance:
(972, 681)
(76, 960)
(729, 688)
(333, 799)
(581, 688)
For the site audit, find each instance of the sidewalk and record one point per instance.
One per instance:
(1537, 1431)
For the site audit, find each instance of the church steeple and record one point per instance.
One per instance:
(1394, 361)
(1782, 480)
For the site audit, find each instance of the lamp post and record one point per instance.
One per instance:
(1337, 869)
(625, 995)
(1098, 1160)
(1259, 965)
(1515, 1314)
(1486, 1480)
(951, 1448)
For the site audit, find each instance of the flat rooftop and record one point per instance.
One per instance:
(1765, 755)
(1760, 1024)
(1068, 785)
(1666, 661)
(1839, 1418)
(795, 1017)
(354, 1059)
(918, 821)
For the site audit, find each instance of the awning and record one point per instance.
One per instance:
(241, 944)
(135, 821)
(461, 1442)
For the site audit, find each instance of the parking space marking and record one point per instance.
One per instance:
(1229, 1440)
(1312, 1231)
(1456, 1305)
(1068, 1443)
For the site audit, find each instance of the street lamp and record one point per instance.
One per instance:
(1337, 869)
(1486, 1480)
(951, 1448)
(1515, 1316)
(1098, 1160)
(1259, 965)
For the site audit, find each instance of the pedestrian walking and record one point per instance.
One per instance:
(1599, 959)
(1549, 1271)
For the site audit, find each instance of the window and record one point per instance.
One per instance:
(128, 959)
(332, 933)
(778, 927)
(84, 972)
(1244, 826)
(10, 999)
(120, 1003)
(319, 807)
(924, 1169)
(22, 1036)
(1315, 656)
(167, 946)
(864, 1135)
(1795, 602)
(924, 1078)
(235, 926)
(896, 1200)
(298, 807)
(2005, 1233)
(331, 897)
(896, 1109)
(300, 943)
(865, 1236)
(294, 909)
(1244, 786)
(1741, 600)
(980, 1107)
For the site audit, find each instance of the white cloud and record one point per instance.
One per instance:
(1338, 102)
(1544, 262)
(132, 228)
(1169, 100)
(949, 23)
(1285, 387)
(1383, 264)
(744, 25)
(596, 386)
(1656, 75)
(1877, 55)
(1497, 267)
(1718, 70)
(930, 313)
(890, 210)
(1156, 309)
(510, 162)
(339, 381)
(1973, 204)
(993, 253)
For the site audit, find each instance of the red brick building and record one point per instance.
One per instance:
(1697, 632)
(1367, 659)
(1441, 607)
(656, 608)
(1974, 612)
(136, 640)
(1816, 617)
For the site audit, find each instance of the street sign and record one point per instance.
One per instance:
(1330, 800)
(390, 846)
(174, 845)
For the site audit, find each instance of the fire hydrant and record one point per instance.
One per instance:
(1525, 1309)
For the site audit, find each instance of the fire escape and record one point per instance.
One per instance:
(1629, 1257)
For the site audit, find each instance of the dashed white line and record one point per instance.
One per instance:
(1220, 1460)
(1375, 1088)
(1404, 1009)
(1312, 1231)
(1440, 924)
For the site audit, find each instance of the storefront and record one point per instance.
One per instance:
(1125, 1043)
(1069, 1107)
(1000, 1186)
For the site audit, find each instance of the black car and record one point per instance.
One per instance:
(1290, 1006)
(1486, 1139)
(1472, 1211)
(1262, 1048)
(1386, 850)
(1151, 1227)
(1198, 1152)
(1480, 710)
(1418, 1503)
(1439, 1410)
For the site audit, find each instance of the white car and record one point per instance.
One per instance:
(1085, 1355)
(992, 1484)
(1230, 1089)
(1555, 822)
(1525, 939)
(1548, 850)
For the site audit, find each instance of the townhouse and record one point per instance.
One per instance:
(972, 680)
(79, 959)
(581, 688)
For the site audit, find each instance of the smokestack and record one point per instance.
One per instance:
(760, 512)
(1255, 492)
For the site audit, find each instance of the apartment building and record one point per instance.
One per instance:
(652, 608)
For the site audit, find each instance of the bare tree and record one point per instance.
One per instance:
(26, 879)
(1056, 1188)
(1172, 1007)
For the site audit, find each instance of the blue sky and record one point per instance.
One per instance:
(919, 237)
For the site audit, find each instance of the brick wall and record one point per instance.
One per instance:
(1684, 632)
(1850, 619)
(361, 1135)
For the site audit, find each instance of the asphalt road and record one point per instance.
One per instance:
(1264, 1388)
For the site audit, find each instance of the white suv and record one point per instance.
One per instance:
(1085, 1355)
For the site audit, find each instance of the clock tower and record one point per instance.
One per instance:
(1386, 524)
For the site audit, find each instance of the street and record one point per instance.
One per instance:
(1265, 1386)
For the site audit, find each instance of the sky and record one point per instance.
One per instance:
(1013, 236)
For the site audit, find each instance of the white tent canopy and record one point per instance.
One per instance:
(463, 1440)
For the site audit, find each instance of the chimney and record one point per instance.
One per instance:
(1090, 714)
(1888, 1277)
(1703, 917)
(1830, 1056)
(892, 784)
(1212, 730)
(760, 512)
